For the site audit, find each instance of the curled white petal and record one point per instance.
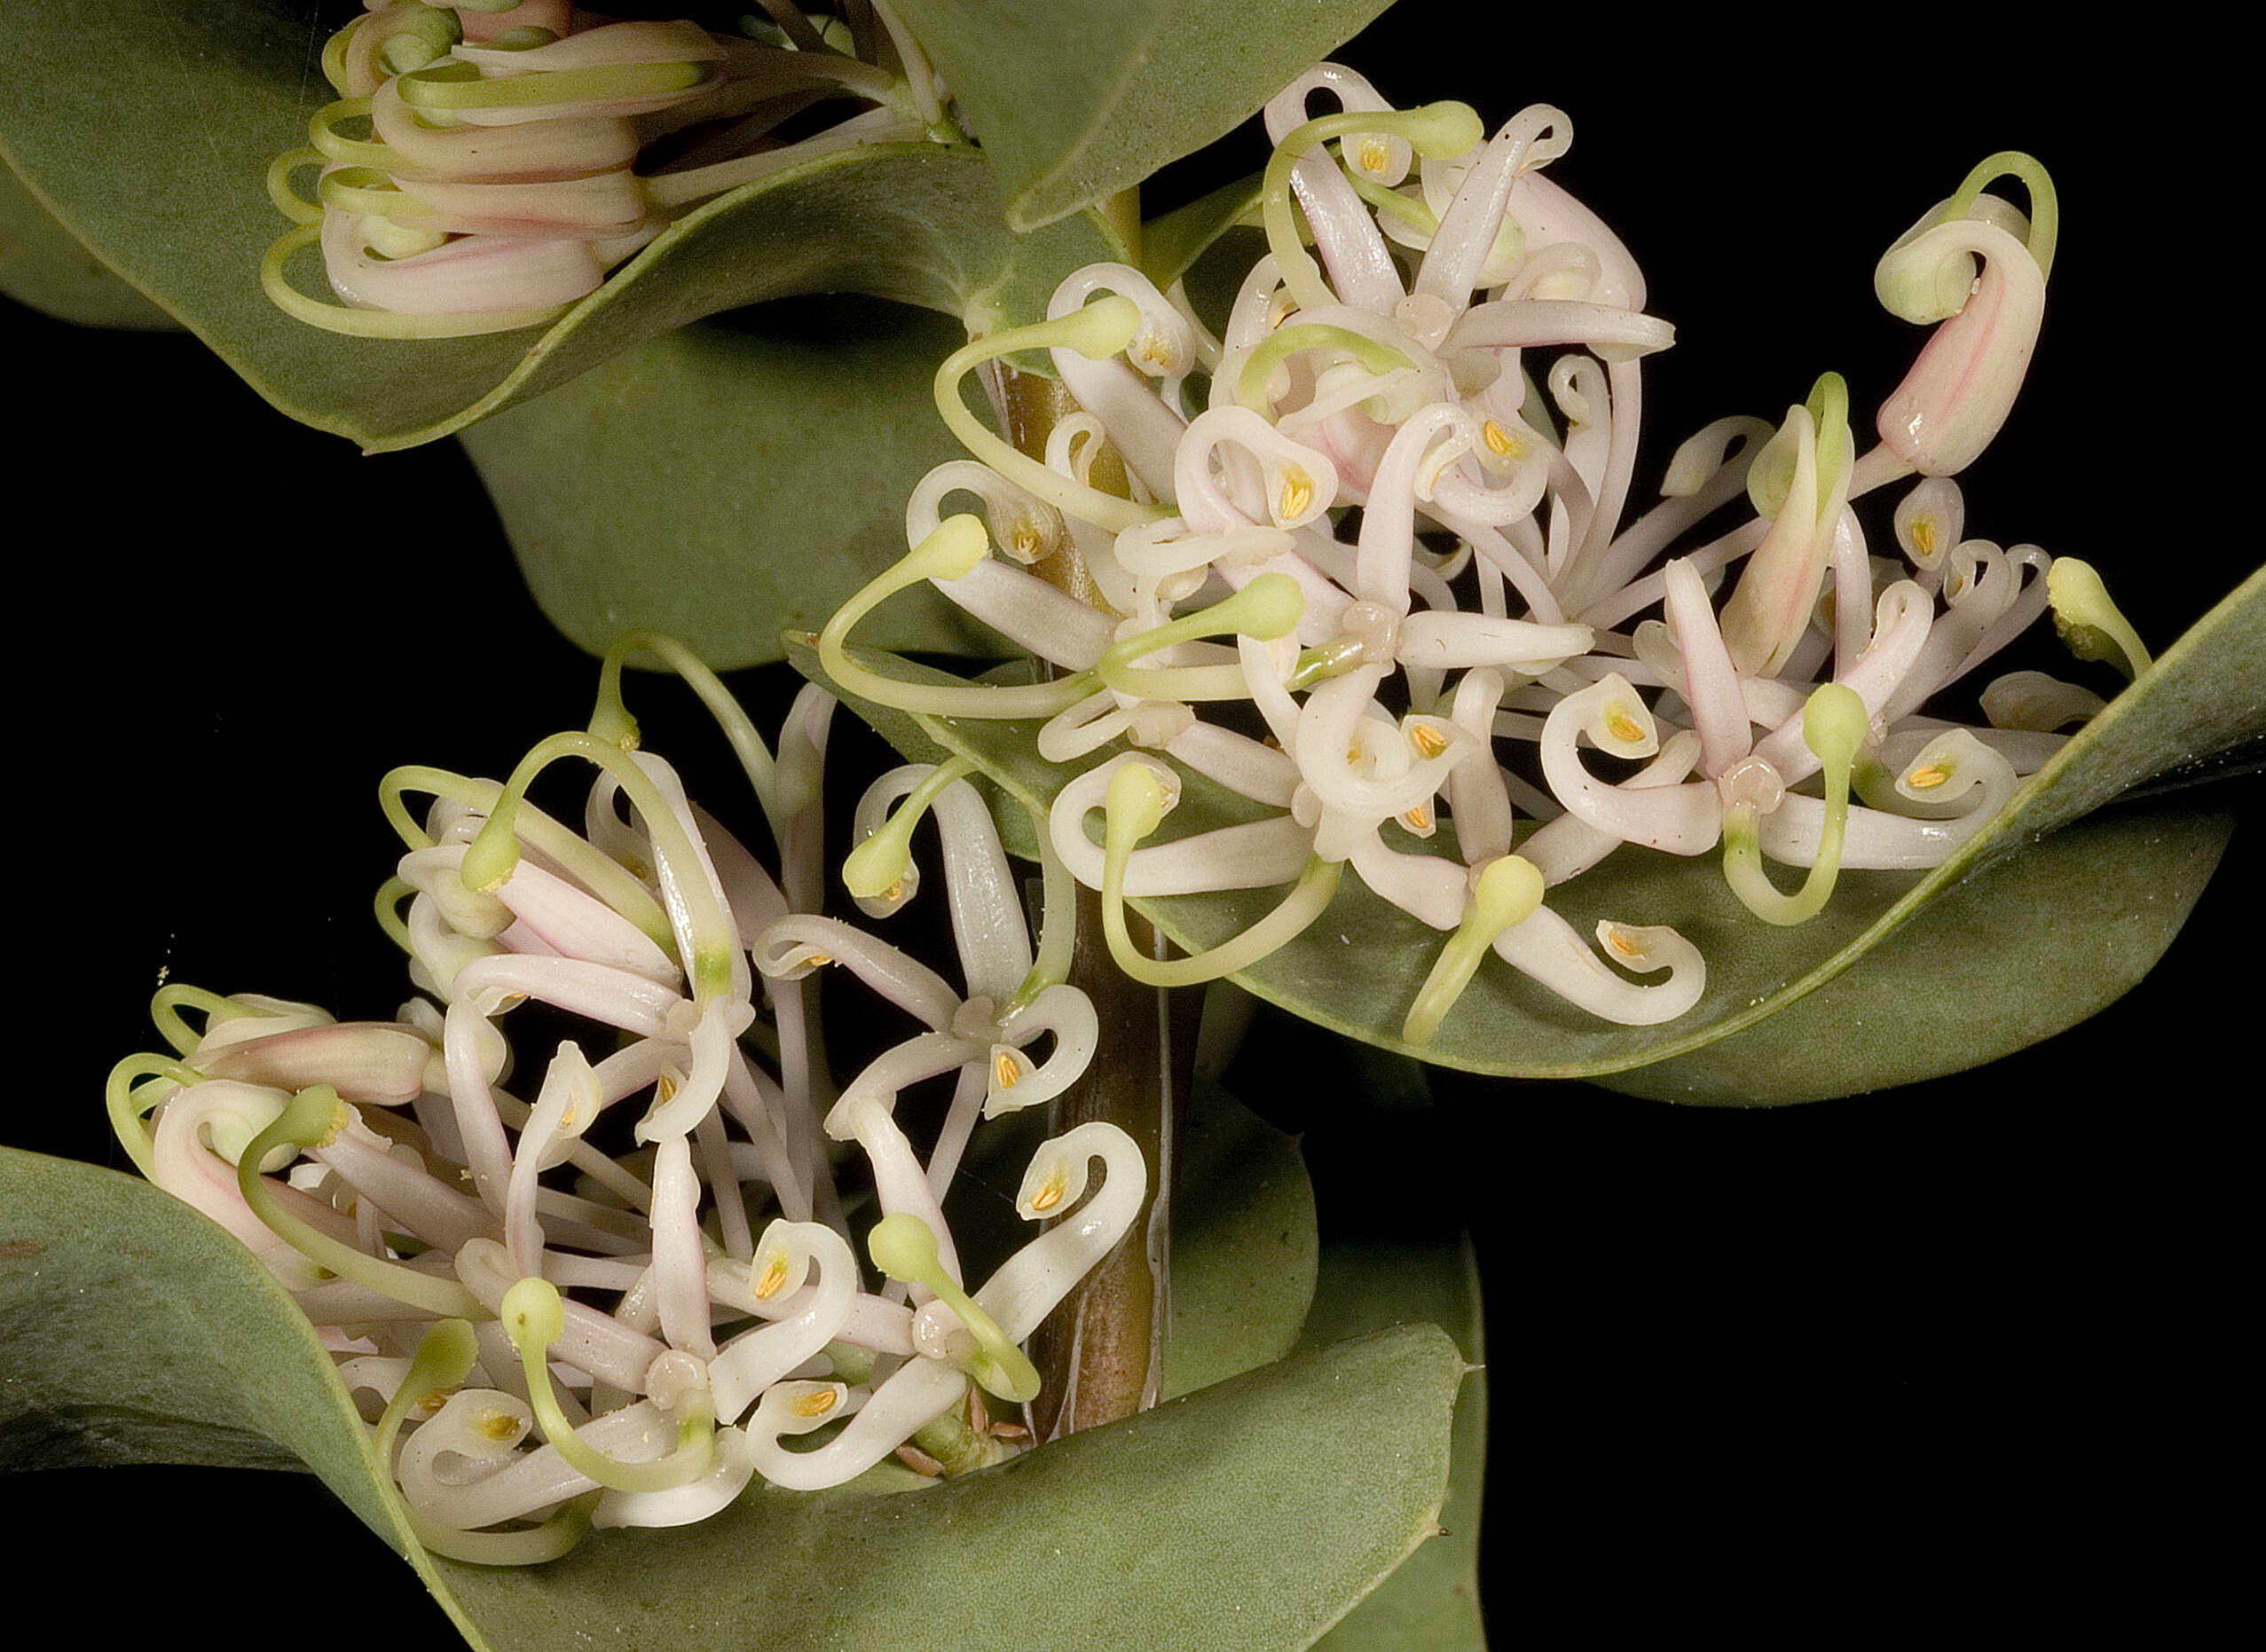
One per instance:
(1682, 820)
(1254, 855)
(752, 1361)
(919, 1392)
(1026, 1286)
(1067, 1014)
(1545, 947)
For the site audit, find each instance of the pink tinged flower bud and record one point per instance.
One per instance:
(366, 1061)
(1964, 384)
(1800, 482)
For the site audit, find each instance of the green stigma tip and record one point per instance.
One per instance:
(532, 1315)
(1834, 721)
(902, 1247)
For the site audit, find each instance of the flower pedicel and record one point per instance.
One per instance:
(553, 1334)
(1461, 358)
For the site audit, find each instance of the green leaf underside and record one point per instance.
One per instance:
(172, 196)
(42, 265)
(2104, 896)
(139, 1331)
(1211, 1522)
(729, 478)
(1243, 1246)
(1076, 102)
(133, 1329)
(1368, 1283)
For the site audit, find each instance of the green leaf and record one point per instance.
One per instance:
(1244, 1247)
(730, 479)
(136, 1330)
(1076, 102)
(1369, 1282)
(1989, 965)
(194, 101)
(2103, 897)
(1180, 1527)
(139, 1331)
(46, 267)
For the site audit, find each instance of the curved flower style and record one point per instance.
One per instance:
(1459, 358)
(494, 184)
(603, 1292)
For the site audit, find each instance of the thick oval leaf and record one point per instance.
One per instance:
(133, 1330)
(1076, 102)
(1244, 1247)
(176, 202)
(729, 478)
(1366, 1284)
(1990, 965)
(1397, 1248)
(120, 1302)
(45, 266)
(1357, 969)
(1211, 1522)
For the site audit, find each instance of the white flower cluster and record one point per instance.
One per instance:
(476, 172)
(1463, 365)
(609, 1294)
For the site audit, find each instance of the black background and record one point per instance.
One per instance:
(1960, 1335)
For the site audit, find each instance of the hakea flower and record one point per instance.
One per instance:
(1460, 357)
(496, 184)
(1960, 390)
(596, 1283)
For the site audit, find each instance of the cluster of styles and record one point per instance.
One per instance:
(549, 1333)
(1463, 364)
(495, 184)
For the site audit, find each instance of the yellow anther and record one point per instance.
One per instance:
(1923, 536)
(497, 1425)
(665, 1090)
(819, 959)
(1622, 726)
(1049, 1195)
(1154, 349)
(1279, 310)
(1927, 777)
(1622, 942)
(1003, 1069)
(432, 1400)
(1297, 494)
(1428, 740)
(1418, 819)
(816, 1404)
(1501, 441)
(774, 1277)
(1027, 539)
(1374, 156)
(895, 892)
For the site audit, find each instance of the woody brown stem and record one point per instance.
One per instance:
(1100, 1355)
